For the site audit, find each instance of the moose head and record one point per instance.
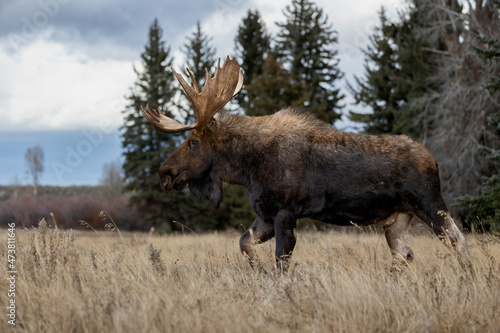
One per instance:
(192, 161)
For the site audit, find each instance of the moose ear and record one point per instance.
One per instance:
(211, 127)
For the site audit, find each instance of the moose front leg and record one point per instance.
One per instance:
(259, 232)
(284, 230)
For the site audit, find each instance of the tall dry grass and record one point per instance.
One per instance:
(106, 282)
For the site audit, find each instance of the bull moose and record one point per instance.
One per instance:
(295, 166)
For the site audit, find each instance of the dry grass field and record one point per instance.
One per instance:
(74, 281)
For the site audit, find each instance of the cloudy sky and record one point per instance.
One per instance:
(66, 65)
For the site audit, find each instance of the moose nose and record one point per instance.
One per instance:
(164, 184)
(166, 179)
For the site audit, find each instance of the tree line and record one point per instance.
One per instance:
(425, 76)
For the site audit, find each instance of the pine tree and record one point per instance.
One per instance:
(252, 46)
(377, 89)
(306, 45)
(273, 90)
(199, 55)
(414, 39)
(397, 71)
(145, 148)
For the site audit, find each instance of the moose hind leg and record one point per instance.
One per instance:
(259, 232)
(453, 239)
(445, 228)
(396, 235)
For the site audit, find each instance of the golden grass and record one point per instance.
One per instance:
(83, 282)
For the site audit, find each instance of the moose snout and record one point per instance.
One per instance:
(166, 185)
(166, 179)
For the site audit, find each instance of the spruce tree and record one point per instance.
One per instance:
(199, 55)
(377, 89)
(145, 148)
(306, 45)
(252, 46)
(397, 71)
(273, 90)
(413, 80)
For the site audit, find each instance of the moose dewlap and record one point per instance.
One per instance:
(294, 165)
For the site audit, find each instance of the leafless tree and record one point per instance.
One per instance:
(34, 159)
(112, 177)
(455, 116)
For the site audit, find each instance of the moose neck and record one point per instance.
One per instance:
(238, 140)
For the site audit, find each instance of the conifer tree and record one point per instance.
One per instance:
(306, 46)
(273, 90)
(413, 81)
(397, 70)
(377, 89)
(199, 55)
(145, 148)
(252, 46)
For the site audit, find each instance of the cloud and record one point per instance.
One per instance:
(51, 87)
(124, 21)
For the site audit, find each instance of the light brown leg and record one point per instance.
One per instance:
(259, 232)
(396, 234)
(454, 240)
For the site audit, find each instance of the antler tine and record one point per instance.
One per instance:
(190, 91)
(216, 67)
(150, 115)
(195, 84)
(217, 92)
(239, 85)
(220, 89)
(163, 123)
(147, 115)
(207, 76)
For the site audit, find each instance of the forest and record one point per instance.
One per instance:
(431, 73)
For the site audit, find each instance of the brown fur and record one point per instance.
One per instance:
(300, 125)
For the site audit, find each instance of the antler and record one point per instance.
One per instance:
(226, 83)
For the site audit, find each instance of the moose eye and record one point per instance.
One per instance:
(193, 144)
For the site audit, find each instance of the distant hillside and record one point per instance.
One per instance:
(66, 207)
(17, 191)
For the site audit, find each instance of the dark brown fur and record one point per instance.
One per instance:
(293, 166)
